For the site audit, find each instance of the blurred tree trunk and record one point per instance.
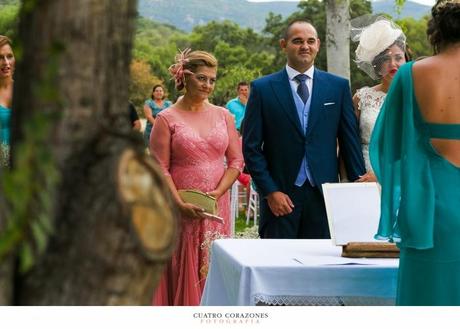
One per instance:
(338, 37)
(6, 280)
(112, 217)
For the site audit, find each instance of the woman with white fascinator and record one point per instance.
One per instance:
(380, 53)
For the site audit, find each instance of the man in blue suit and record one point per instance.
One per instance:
(293, 121)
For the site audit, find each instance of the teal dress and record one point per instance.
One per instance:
(155, 110)
(237, 109)
(420, 197)
(5, 115)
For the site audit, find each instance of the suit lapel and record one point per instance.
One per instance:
(316, 99)
(283, 92)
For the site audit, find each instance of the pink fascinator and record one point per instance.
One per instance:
(177, 69)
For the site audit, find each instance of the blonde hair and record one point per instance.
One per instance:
(5, 41)
(187, 62)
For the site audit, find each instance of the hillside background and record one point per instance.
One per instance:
(243, 36)
(187, 14)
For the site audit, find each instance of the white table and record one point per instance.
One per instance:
(295, 272)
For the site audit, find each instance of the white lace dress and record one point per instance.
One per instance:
(370, 102)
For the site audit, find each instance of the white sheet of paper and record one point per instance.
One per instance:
(339, 261)
(353, 211)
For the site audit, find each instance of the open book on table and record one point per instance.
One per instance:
(353, 214)
(353, 211)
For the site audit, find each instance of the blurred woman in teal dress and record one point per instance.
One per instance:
(7, 62)
(415, 152)
(152, 107)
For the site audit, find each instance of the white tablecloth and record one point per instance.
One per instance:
(295, 272)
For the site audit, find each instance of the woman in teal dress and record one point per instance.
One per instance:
(415, 152)
(152, 107)
(5, 114)
(7, 62)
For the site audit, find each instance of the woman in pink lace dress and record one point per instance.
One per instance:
(191, 141)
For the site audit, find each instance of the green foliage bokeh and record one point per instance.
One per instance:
(243, 53)
(8, 19)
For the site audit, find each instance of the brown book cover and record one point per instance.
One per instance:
(370, 250)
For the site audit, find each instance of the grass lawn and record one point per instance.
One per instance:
(240, 223)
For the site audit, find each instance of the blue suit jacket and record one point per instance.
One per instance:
(274, 143)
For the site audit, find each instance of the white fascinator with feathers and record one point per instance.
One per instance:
(374, 35)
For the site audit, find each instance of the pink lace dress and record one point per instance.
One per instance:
(192, 147)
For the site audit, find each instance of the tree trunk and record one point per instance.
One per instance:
(6, 280)
(338, 37)
(111, 213)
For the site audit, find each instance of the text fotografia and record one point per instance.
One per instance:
(230, 318)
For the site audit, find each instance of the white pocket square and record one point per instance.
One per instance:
(331, 103)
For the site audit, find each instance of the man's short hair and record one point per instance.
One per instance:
(285, 34)
(240, 84)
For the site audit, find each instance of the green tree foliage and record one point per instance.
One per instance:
(417, 40)
(314, 11)
(142, 81)
(226, 85)
(189, 13)
(243, 55)
(157, 44)
(8, 19)
(311, 10)
(209, 35)
(9, 2)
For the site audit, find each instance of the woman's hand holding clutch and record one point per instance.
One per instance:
(197, 204)
(189, 210)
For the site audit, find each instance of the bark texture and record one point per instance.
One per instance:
(338, 37)
(74, 68)
(6, 280)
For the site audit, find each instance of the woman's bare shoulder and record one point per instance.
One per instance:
(432, 65)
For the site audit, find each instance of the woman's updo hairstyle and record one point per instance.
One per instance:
(187, 62)
(444, 25)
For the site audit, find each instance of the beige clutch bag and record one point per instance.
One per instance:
(202, 200)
